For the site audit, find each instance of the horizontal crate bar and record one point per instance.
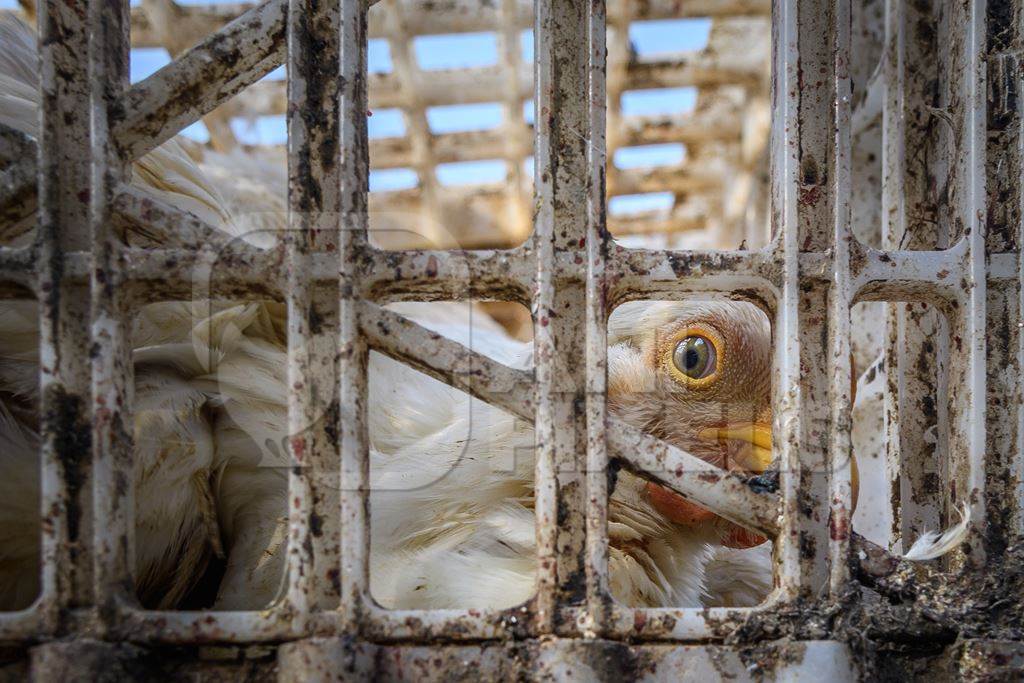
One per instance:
(182, 627)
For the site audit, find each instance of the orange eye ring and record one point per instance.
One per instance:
(691, 346)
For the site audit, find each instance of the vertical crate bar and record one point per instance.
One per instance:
(560, 233)
(355, 163)
(598, 240)
(110, 352)
(803, 210)
(64, 150)
(782, 199)
(1017, 463)
(1004, 397)
(917, 347)
(314, 195)
(840, 519)
(967, 109)
(1016, 489)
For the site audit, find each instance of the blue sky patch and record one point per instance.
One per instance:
(392, 179)
(455, 51)
(649, 155)
(669, 35)
(462, 117)
(629, 204)
(471, 172)
(659, 101)
(386, 123)
(263, 130)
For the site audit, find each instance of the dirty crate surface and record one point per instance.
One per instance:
(947, 82)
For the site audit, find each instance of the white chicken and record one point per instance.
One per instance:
(452, 477)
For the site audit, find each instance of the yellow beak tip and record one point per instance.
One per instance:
(757, 434)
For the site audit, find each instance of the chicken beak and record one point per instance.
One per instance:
(757, 434)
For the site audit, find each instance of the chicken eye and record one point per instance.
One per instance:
(695, 357)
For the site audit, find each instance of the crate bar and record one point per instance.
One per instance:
(169, 225)
(384, 625)
(1005, 494)
(804, 33)
(681, 623)
(428, 275)
(314, 196)
(352, 394)
(655, 274)
(563, 130)
(110, 351)
(784, 158)
(840, 519)
(63, 163)
(446, 275)
(968, 108)
(567, 660)
(934, 277)
(596, 378)
(1017, 463)
(918, 339)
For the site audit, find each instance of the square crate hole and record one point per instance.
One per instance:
(901, 421)
(451, 503)
(697, 374)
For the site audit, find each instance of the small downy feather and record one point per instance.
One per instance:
(933, 544)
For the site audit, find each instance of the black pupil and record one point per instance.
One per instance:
(692, 357)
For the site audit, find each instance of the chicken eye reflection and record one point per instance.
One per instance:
(695, 357)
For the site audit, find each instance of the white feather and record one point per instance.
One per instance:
(933, 544)
(738, 578)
